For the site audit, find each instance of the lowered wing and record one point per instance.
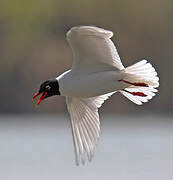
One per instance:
(85, 124)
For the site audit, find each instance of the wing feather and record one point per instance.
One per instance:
(93, 50)
(85, 124)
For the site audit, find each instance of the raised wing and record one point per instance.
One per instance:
(85, 124)
(93, 50)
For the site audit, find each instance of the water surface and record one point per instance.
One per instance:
(130, 148)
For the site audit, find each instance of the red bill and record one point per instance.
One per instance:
(43, 95)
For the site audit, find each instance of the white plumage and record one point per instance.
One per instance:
(96, 74)
(85, 124)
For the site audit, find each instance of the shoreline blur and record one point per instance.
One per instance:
(33, 47)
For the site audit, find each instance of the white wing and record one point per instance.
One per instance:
(93, 50)
(85, 124)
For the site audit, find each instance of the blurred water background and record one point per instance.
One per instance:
(41, 148)
(36, 143)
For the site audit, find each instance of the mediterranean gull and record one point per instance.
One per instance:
(97, 72)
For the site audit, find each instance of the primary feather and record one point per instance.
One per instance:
(85, 124)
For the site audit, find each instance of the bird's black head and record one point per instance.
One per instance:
(47, 89)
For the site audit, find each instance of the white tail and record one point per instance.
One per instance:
(142, 79)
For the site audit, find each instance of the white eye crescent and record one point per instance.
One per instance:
(48, 87)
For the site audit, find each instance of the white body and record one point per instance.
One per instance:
(96, 74)
(90, 85)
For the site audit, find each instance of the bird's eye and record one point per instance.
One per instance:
(48, 87)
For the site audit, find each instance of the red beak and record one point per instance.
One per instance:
(43, 94)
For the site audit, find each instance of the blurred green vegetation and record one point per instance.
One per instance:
(33, 47)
